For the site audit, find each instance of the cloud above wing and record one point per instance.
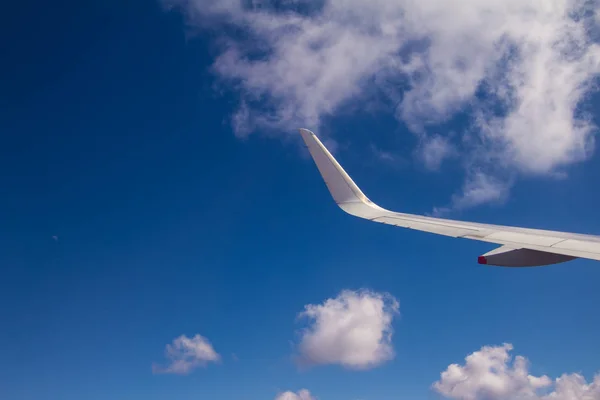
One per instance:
(353, 330)
(434, 150)
(491, 374)
(520, 69)
(185, 354)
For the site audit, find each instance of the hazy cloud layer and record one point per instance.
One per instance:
(520, 68)
(185, 354)
(491, 374)
(353, 330)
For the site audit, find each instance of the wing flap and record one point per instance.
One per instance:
(524, 238)
(577, 245)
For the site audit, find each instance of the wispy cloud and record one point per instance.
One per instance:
(488, 374)
(353, 330)
(520, 68)
(434, 150)
(388, 158)
(186, 354)
(383, 155)
(302, 394)
(479, 188)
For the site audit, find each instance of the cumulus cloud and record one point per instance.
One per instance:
(185, 354)
(519, 68)
(488, 374)
(301, 395)
(353, 329)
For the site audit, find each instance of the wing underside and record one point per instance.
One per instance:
(520, 247)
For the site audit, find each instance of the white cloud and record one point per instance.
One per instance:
(434, 150)
(301, 395)
(479, 188)
(521, 67)
(388, 158)
(353, 330)
(383, 155)
(489, 375)
(186, 354)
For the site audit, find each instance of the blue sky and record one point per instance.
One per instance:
(147, 196)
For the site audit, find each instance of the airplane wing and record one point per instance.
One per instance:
(520, 247)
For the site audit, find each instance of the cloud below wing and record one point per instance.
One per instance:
(353, 330)
(185, 354)
(489, 375)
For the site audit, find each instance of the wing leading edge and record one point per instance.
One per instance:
(520, 247)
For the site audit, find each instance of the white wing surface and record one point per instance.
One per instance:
(520, 247)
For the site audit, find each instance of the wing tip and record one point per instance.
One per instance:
(306, 132)
(341, 187)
